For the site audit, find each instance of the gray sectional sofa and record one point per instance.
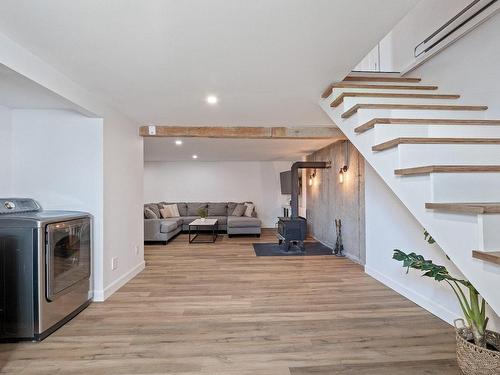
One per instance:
(158, 229)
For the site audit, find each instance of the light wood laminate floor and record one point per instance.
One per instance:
(218, 309)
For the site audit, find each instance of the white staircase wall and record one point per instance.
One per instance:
(470, 67)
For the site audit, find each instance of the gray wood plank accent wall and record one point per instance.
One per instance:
(329, 199)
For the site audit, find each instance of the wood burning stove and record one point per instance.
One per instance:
(294, 229)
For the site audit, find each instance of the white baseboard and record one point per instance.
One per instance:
(102, 295)
(434, 308)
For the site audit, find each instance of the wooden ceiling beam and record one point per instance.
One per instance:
(242, 132)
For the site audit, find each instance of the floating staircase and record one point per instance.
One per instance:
(439, 155)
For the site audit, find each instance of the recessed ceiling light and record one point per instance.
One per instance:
(195, 156)
(212, 99)
(178, 142)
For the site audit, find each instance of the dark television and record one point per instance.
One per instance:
(286, 182)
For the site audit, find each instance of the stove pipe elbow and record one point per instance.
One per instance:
(295, 180)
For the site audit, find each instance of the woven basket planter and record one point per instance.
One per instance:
(474, 360)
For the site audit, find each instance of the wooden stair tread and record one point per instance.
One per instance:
(488, 256)
(341, 97)
(471, 208)
(447, 169)
(376, 78)
(422, 121)
(350, 85)
(432, 107)
(426, 140)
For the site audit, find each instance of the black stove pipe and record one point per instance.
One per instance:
(295, 180)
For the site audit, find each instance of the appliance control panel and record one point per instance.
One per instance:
(18, 205)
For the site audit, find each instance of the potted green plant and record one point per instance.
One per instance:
(203, 213)
(477, 348)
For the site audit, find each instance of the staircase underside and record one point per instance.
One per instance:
(439, 155)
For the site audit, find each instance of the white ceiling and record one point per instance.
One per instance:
(156, 60)
(210, 149)
(18, 92)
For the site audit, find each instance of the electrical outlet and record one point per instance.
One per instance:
(114, 263)
(136, 249)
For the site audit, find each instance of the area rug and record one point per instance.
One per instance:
(275, 250)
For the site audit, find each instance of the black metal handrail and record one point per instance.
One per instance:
(448, 23)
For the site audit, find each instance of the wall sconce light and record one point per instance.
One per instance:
(311, 177)
(341, 173)
(344, 169)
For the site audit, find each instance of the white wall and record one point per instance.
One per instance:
(419, 23)
(5, 152)
(469, 67)
(122, 168)
(258, 182)
(396, 50)
(123, 201)
(57, 160)
(389, 226)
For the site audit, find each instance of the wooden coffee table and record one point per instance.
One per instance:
(203, 225)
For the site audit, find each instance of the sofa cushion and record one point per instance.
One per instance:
(153, 207)
(188, 219)
(192, 208)
(230, 207)
(221, 220)
(182, 207)
(249, 209)
(242, 222)
(149, 214)
(217, 209)
(239, 210)
(169, 225)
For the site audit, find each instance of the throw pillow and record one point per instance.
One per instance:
(249, 209)
(169, 210)
(239, 210)
(175, 210)
(165, 212)
(155, 208)
(149, 214)
(230, 208)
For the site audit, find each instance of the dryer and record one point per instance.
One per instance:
(45, 268)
